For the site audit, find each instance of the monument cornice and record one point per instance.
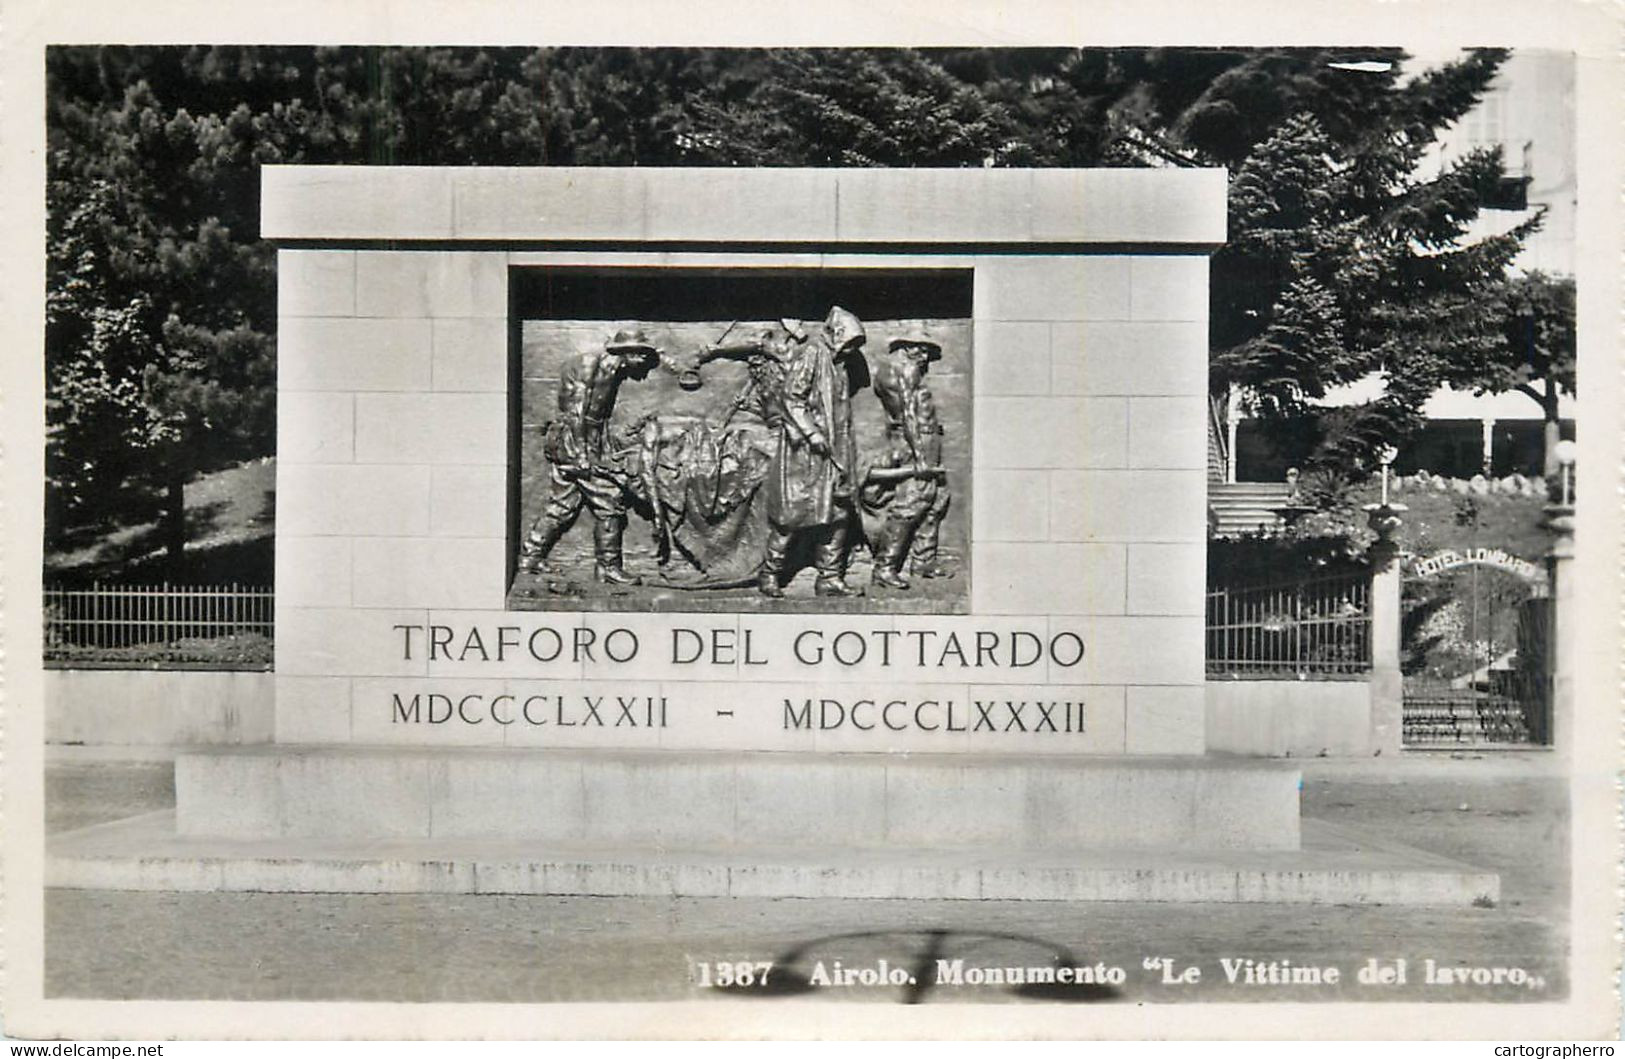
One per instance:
(999, 210)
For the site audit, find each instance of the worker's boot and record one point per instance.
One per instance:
(889, 551)
(767, 577)
(606, 541)
(544, 533)
(830, 559)
(927, 562)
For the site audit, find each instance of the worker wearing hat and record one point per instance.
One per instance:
(913, 506)
(574, 443)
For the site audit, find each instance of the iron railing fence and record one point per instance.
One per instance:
(1218, 436)
(1306, 627)
(139, 626)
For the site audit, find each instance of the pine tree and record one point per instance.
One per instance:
(1342, 259)
(160, 301)
(851, 107)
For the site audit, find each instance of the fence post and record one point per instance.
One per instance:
(1387, 686)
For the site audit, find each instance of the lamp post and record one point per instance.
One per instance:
(1384, 517)
(1565, 452)
(1560, 511)
(1386, 456)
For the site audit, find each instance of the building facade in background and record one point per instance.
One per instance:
(1529, 113)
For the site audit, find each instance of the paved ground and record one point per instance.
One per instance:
(1507, 812)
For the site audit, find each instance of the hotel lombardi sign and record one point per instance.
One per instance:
(1450, 559)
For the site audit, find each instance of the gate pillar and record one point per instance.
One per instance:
(1387, 685)
(1559, 667)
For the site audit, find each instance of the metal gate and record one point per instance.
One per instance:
(1476, 651)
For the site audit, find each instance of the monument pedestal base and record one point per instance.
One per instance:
(749, 824)
(739, 800)
(1335, 866)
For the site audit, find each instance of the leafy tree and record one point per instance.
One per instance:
(1536, 356)
(99, 334)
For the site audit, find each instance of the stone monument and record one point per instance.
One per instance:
(726, 531)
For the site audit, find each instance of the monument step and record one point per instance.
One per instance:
(1336, 865)
(738, 799)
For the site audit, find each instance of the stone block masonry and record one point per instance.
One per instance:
(748, 799)
(398, 349)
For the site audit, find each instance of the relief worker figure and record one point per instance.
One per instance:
(809, 488)
(765, 357)
(907, 486)
(581, 471)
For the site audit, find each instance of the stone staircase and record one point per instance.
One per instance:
(1464, 719)
(1239, 508)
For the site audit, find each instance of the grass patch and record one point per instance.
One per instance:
(230, 526)
(232, 651)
